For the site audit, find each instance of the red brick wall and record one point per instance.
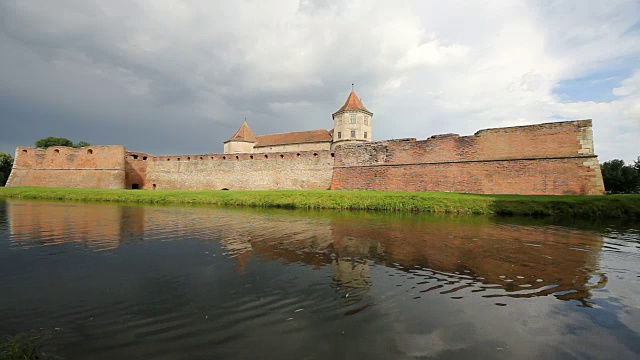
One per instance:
(88, 167)
(554, 158)
(258, 171)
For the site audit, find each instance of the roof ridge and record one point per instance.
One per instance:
(292, 132)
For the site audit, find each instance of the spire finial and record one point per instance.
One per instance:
(351, 86)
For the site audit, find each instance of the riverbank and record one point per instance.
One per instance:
(610, 206)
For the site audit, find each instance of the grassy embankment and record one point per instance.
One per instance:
(610, 206)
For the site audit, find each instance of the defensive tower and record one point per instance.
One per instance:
(352, 122)
(242, 141)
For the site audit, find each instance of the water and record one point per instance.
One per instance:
(134, 282)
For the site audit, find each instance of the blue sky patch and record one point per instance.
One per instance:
(597, 86)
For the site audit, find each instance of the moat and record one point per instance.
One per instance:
(154, 282)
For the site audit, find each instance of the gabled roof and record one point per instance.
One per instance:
(243, 134)
(299, 137)
(353, 103)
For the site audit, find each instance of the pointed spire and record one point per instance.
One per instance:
(243, 134)
(353, 103)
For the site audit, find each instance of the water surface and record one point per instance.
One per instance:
(114, 282)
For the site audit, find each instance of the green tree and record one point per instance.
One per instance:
(56, 141)
(620, 178)
(81, 144)
(53, 141)
(6, 163)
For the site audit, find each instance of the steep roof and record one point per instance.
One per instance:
(243, 134)
(353, 103)
(299, 137)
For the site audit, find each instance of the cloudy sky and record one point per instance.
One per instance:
(171, 77)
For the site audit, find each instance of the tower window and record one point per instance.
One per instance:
(366, 120)
(340, 120)
(365, 134)
(353, 118)
(339, 135)
(353, 133)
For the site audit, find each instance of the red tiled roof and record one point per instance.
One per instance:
(353, 103)
(294, 138)
(243, 134)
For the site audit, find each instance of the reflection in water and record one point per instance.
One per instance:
(188, 282)
(449, 254)
(95, 226)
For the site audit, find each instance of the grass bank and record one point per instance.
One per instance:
(610, 206)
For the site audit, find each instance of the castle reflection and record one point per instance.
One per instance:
(453, 256)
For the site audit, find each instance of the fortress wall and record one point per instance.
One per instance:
(259, 171)
(554, 158)
(135, 165)
(569, 138)
(60, 166)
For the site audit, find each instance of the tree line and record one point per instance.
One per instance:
(621, 178)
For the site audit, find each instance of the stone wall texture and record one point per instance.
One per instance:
(257, 171)
(553, 158)
(60, 166)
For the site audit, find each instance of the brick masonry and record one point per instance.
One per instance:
(552, 158)
(61, 166)
(256, 171)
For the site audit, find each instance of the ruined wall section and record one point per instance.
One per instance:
(135, 164)
(552, 158)
(61, 166)
(258, 171)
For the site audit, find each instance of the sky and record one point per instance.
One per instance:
(179, 77)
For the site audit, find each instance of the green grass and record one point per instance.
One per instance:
(610, 206)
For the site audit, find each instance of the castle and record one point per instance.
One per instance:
(551, 158)
(351, 124)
